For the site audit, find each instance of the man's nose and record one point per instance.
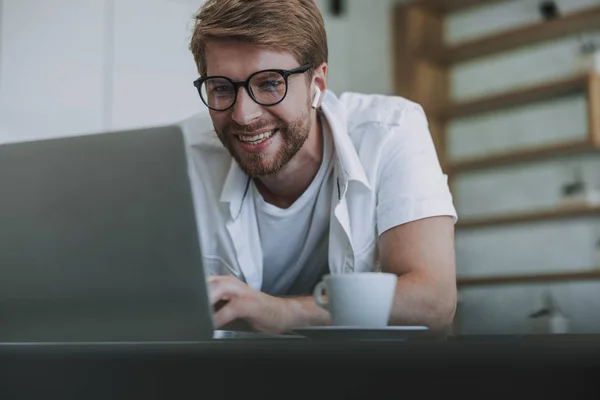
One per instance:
(245, 109)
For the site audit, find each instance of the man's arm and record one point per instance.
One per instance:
(415, 221)
(235, 302)
(421, 253)
(304, 311)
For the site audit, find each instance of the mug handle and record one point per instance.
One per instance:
(318, 295)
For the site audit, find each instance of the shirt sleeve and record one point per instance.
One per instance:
(411, 183)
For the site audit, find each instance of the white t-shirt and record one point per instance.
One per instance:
(294, 240)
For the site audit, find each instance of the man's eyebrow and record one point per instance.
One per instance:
(244, 79)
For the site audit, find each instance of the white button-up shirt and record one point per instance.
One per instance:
(386, 174)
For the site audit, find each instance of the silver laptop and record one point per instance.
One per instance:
(98, 241)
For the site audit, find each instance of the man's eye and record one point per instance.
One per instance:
(268, 85)
(223, 89)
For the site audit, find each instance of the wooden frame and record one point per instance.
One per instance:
(521, 156)
(417, 27)
(520, 96)
(587, 83)
(448, 6)
(533, 278)
(422, 62)
(577, 22)
(594, 109)
(551, 214)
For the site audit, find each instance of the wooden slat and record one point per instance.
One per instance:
(417, 27)
(594, 108)
(534, 216)
(569, 24)
(520, 96)
(537, 278)
(403, 57)
(449, 6)
(521, 156)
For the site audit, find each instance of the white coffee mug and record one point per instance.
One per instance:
(362, 299)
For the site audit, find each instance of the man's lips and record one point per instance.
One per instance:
(254, 133)
(256, 142)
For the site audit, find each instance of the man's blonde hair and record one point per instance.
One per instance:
(295, 26)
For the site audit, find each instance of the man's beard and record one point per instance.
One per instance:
(292, 137)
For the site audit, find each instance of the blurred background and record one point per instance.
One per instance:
(510, 87)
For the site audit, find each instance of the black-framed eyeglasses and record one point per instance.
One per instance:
(267, 87)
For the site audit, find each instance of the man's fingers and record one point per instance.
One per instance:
(229, 312)
(231, 299)
(224, 288)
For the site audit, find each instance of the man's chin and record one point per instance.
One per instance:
(256, 165)
(257, 170)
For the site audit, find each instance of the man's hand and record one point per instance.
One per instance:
(234, 300)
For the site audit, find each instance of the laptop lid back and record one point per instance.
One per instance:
(98, 240)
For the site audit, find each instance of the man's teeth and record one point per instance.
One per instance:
(257, 138)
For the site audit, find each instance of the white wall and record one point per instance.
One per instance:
(51, 77)
(153, 67)
(70, 67)
(1, 11)
(550, 246)
(360, 46)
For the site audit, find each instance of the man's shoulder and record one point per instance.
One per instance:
(208, 160)
(383, 119)
(386, 111)
(199, 133)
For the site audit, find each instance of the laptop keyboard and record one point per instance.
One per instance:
(222, 334)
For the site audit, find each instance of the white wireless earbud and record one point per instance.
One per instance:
(317, 97)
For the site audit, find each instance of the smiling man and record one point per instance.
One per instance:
(294, 182)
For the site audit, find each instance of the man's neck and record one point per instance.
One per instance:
(286, 186)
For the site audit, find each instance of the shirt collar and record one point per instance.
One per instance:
(199, 132)
(235, 189)
(349, 165)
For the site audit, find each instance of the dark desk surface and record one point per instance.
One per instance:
(470, 367)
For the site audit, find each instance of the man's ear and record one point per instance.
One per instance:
(319, 84)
